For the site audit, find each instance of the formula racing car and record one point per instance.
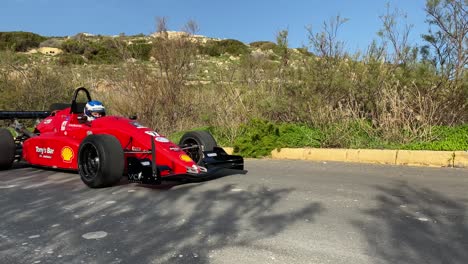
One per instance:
(107, 148)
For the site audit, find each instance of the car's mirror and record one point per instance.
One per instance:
(133, 117)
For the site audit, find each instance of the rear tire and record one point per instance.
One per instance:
(7, 149)
(100, 161)
(201, 138)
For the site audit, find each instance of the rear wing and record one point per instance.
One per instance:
(11, 115)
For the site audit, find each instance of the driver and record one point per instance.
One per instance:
(94, 109)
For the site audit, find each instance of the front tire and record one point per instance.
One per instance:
(7, 149)
(100, 161)
(203, 139)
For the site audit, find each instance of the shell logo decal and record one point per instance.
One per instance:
(67, 154)
(185, 157)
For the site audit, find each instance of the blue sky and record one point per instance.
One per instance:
(245, 20)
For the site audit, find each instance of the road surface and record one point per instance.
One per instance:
(279, 212)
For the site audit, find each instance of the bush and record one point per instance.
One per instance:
(141, 51)
(52, 43)
(446, 138)
(230, 46)
(264, 45)
(13, 58)
(260, 137)
(233, 47)
(211, 48)
(35, 87)
(304, 51)
(104, 51)
(352, 134)
(67, 59)
(74, 46)
(19, 41)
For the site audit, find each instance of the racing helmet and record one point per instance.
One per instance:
(94, 109)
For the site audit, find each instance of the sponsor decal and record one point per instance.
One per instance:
(136, 149)
(67, 154)
(47, 121)
(193, 169)
(161, 139)
(45, 153)
(185, 157)
(64, 124)
(156, 136)
(137, 125)
(75, 125)
(135, 176)
(152, 133)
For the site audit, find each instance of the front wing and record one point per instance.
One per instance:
(215, 163)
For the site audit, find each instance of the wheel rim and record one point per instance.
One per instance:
(194, 153)
(90, 163)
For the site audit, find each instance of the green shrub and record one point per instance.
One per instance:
(233, 47)
(141, 51)
(141, 35)
(19, 41)
(139, 41)
(304, 51)
(70, 59)
(14, 58)
(352, 134)
(210, 49)
(260, 137)
(445, 138)
(52, 43)
(264, 45)
(104, 51)
(74, 46)
(217, 48)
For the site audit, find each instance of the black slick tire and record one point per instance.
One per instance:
(100, 161)
(7, 149)
(203, 139)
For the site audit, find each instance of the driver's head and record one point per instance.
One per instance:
(94, 109)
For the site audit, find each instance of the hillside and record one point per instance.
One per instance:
(254, 96)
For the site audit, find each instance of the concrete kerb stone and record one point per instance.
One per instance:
(380, 156)
(395, 157)
(288, 153)
(325, 154)
(425, 158)
(460, 159)
(229, 150)
(352, 155)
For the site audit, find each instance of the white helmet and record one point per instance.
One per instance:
(94, 109)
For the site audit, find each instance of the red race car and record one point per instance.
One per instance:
(105, 149)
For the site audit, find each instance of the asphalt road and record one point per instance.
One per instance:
(279, 212)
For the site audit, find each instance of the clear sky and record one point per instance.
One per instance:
(245, 20)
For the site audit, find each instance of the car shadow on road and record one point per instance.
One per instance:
(192, 223)
(170, 182)
(416, 225)
(165, 185)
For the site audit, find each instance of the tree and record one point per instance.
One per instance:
(397, 34)
(282, 46)
(325, 43)
(447, 36)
